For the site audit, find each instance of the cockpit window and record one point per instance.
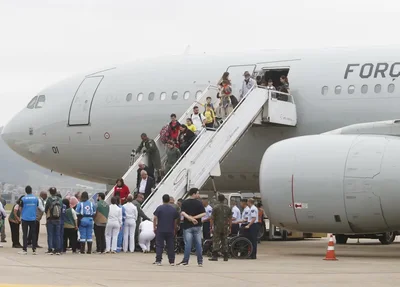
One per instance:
(40, 102)
(32, 103)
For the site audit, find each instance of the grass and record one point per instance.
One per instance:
(8, 207)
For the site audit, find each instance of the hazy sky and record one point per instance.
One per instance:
(42, 41)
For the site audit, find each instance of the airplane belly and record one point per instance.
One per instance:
(333, 183)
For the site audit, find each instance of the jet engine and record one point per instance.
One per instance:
(333, 183)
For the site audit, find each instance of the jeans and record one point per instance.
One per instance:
(189, 235)
(53, 235)
(26, 226)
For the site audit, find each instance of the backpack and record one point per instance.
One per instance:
(234, 101)
(55, 209)
(164, 134)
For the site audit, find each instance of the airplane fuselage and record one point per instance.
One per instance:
(100, 149)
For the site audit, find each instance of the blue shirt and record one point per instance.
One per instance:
(29, 207)
(87, 209)
(166, 215)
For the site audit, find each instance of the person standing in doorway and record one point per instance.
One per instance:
(192, 210)
(29, 205)
(248, 84)
(100, 222)
(131, 215)
(206, 219)
(165, 222)
(221, 221)
(253, 226)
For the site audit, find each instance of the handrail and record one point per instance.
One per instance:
(173, 167)
(270, 92)
(230, 115)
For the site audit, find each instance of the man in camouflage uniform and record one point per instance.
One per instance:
(221, 221)
(153, 155)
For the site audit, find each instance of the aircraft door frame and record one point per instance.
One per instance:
(81, 105)
(236, 75)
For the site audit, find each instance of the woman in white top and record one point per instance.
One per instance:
(113, 226)
(146, 235)
(131, 214)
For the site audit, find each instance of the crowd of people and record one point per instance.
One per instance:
(118, 226)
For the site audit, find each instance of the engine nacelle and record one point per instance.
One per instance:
(333, 183)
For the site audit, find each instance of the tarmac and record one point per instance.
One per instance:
(290, 263)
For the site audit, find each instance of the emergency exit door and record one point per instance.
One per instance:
(81, 105)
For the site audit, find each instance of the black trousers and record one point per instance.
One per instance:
(206, 230)
(72, 235)
(168, 237)
(253, 232)
(37, 234)
(100, 234)
(235, 229)
(14, 233)
(26, 227)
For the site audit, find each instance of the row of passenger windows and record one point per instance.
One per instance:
(162, 96)
(351, 89)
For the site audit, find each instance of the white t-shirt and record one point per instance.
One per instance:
(146, 226)
(235, 214)
(197, 120)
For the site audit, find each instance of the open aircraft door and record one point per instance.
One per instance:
(236, 75)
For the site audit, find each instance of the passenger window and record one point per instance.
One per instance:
(163, 96)
(351, 89)
(391, 88)
(174, 95)
(338, 90)
(32, 103)
(378, 88)
(186, 95)
(324, 90)
(140, 97)
(40, 102)
(199, 94)
(151, 96)
(129, 97)
(364, 89)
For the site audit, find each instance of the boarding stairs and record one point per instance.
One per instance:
(202, 159)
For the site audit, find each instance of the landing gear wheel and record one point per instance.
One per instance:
(388, 238)
(341, 239)
(241, 248)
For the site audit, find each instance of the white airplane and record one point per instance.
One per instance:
(86, 127)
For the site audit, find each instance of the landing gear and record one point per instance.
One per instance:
(387, 238)
(341, 239)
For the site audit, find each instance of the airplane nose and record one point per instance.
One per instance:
(19, 137)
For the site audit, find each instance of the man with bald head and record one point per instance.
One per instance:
(146, 184)
(39, 215)
(142, 166)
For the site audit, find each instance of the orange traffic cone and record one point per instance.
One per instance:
(330, 253)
